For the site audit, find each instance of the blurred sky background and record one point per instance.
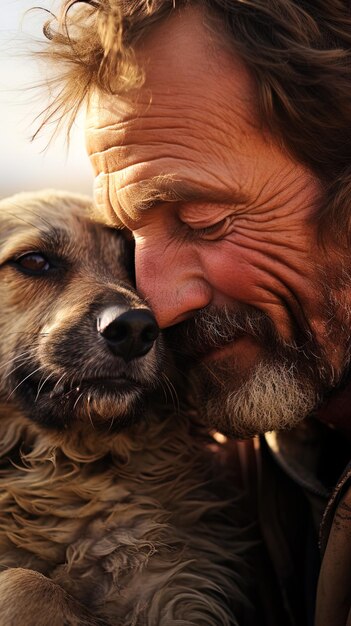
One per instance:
(25, 165)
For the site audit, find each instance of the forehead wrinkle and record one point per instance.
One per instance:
(166, 128)
(135, 198)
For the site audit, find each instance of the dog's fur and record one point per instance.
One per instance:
(109, 513)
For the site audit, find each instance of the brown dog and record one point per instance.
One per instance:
(109, 512)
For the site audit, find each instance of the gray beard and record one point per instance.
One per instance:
(287, 384)
(271, 397)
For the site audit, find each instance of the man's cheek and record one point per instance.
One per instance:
(146, 266)
(241, 275)
(233, 271)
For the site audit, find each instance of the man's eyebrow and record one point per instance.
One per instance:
(136, 198)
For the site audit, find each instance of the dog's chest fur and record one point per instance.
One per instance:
(114, 519)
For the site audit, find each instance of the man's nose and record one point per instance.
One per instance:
(171, 282)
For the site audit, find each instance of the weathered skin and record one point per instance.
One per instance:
(246, 235)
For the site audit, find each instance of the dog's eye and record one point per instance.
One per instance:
(33, 263)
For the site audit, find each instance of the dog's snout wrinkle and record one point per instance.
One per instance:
(130, 334)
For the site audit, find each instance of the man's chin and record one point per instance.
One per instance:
(266, 397)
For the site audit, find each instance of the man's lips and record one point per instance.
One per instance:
(214, 332)
(244, 345)
(205, 352)
(195, 347)
(210, 353)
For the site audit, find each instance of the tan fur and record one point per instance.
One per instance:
(127, 527)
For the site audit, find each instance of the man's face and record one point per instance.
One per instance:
(224, 224)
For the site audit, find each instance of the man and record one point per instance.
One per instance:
(219, 133)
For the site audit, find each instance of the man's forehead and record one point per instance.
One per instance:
(182, 55)
(105, 112)
(174, 124)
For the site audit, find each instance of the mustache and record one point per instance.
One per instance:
(214, 327)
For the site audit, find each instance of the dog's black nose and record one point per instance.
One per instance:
(130, 334)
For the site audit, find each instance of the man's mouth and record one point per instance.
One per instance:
(244, 345)
(214, 328)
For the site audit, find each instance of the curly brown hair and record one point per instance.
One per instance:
(299, 52)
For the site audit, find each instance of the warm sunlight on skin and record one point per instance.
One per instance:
(222, 216)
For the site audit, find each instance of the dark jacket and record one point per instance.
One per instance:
(301, 481)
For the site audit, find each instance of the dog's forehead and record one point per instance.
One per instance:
(66, 218)
(47, 206)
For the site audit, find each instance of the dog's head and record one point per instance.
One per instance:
(77, 342)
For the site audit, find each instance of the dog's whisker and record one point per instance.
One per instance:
(24, 360)
(35, 226)
(15, 358)
(172, 391)
(112, 421)
(77, 400)
(171, 388)
(215, 376)
(23, 380)
(111, 424)
(59, 381)
(41, 385)
(164, 390)
(89, 412)
(40, 217)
